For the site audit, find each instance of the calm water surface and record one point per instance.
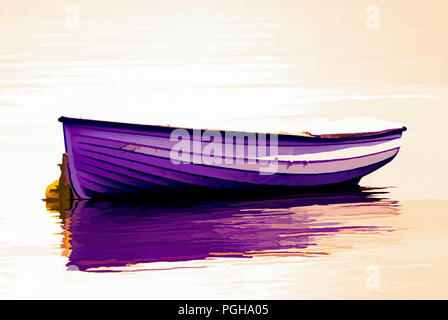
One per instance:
(277, 65)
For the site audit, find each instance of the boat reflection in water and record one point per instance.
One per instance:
(112, 236)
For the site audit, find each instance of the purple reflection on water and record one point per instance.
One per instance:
(118, 234)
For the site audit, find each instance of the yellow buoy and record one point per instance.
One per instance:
(52, 190)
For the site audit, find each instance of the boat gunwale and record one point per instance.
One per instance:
(335, 137)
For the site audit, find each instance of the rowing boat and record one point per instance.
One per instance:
(121, 159)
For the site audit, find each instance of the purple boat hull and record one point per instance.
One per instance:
(118, 159)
